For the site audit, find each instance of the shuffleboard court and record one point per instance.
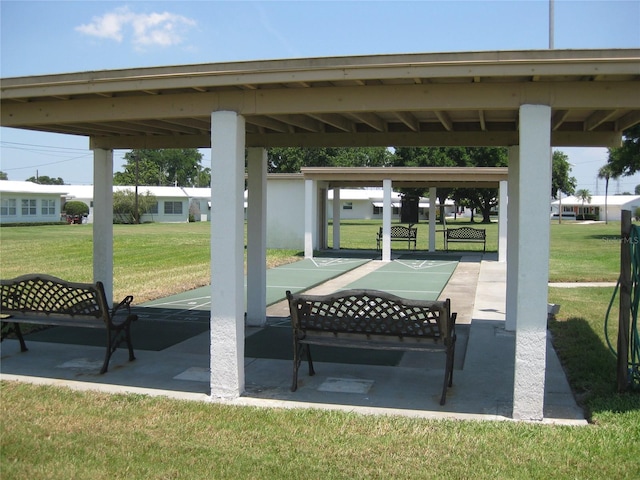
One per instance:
(296, 277)
(422, 279)
(305, 274)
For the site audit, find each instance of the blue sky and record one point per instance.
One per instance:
(43, 37)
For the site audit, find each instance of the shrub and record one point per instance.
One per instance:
(75, 207)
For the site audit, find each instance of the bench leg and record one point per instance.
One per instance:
(296, 363)
(132, 318)
(115, 338)
(17, 331)
(448, 374)
(312, 372)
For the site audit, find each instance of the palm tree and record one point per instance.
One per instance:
(607, 172)
(585, 196)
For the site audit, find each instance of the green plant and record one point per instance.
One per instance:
(75, 207)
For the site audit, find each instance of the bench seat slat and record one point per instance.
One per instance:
(343, 340)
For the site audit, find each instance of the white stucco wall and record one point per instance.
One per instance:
(285, 213)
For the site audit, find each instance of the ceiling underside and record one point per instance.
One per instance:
(470, 99)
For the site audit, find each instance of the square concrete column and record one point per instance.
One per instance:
(227, 254)
(386, 220)
(310, 216)
(336, 218)
(502, 221)
(432, 219)
(257, 237)
(103, 220)
(512, 238)
(533, 261)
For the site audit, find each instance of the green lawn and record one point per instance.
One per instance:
(51, 432)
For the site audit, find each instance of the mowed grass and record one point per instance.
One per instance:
(150, 261)
(51, 432)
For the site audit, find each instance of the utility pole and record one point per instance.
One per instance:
(551, 24)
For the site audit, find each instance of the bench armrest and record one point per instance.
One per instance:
(126, 302)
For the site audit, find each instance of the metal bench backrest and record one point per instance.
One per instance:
(466, 233)
(45, 295)
(370, 312)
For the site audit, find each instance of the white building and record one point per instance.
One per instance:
(31, 202)
(366, 204)
(27, 202)
(595, 208)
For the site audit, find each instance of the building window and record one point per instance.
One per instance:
(48, 207)
(173, 208)
(29, 207)
(347, 206)
(153, 209)
(377, 210)
(9, 207)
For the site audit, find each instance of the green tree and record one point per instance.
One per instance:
(124, 205)
(482, 199)
(430, 157)
(585, 197)
(181, 167)
(45, 180)
(292, 159)
(625, 160)
(561, 182)
(606, 172)
(3, 176)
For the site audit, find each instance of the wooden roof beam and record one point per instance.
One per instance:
(445, 120)
(335, 120)
(409, 120)
(598, 118)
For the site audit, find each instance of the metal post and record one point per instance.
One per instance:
(625, 303)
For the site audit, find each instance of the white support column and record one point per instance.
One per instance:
(310, 195)
(503, 208)
(103, 220)
(386, 220)
(432, 219)
(533, 262)
(336, 218)
(227, 254)
(512, 238)
(257, 237)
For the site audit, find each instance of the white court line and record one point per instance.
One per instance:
(333, 261)
(407, 273)
(286, 286)
(426, 264)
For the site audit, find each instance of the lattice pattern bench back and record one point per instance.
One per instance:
(370, 312)
(466, 233)
(401, 231)
(45, 294)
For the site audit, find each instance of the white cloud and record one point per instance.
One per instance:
(154, 29)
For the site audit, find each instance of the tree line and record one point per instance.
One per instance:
(183, 167)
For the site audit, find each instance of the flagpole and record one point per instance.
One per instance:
(551, 24)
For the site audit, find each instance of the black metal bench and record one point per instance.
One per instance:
(46, 300)
(466, 235)
(400, 233)
(371, 319)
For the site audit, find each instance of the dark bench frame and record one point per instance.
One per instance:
(465, 235)
(371, 319)
(399, 233)
(45, 300)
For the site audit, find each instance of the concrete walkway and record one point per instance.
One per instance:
(482, 384)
